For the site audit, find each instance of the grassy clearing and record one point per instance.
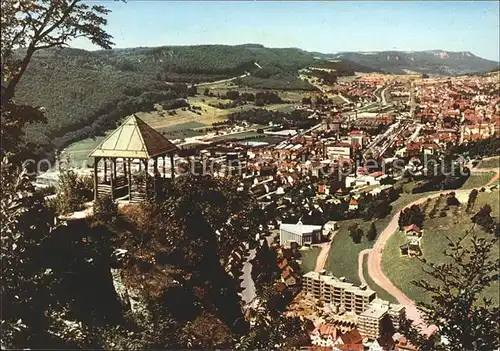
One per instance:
(381, 293)
(477, 180)
(402, 270)
(490, 163)
(309, 258)
(294, 96)
(78, 152)
(343, 256)
(323, 87)
(208, 116)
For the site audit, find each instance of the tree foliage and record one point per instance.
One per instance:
(73, 191)
(26, 283)
(411, 215)
(29, 26)
(371, 234)
(356, 233)
(279, 333)
(196, 223)
(468, 321)
(264, 266)
(484, 219)
(471, 201)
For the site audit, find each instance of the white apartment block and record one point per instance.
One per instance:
(370, 321)
(336, 291)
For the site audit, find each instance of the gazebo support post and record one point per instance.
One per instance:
(96, 180)
(113, 166)
(129, 175)
(164, 167)
(146, 177)
(172, 169)
(105, 170)
(114, 161)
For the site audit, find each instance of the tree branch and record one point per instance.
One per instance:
(61, 20)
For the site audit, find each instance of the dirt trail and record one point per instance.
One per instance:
(323, 255)
(360, 265)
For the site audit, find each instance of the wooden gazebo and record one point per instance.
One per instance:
(133, 142)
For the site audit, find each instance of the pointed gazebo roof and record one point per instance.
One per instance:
(134, 139)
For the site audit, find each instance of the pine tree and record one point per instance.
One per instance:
(371, 234)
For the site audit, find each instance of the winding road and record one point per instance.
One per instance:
(221, 81)
(375, 262)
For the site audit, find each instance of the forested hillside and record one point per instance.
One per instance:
(81, 95)
(83, 92)
(345, 67)
(201, 61)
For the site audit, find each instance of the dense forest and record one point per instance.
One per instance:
(80, 100)
(216, 60)
(345, 67)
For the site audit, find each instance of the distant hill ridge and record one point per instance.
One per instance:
(438, 62)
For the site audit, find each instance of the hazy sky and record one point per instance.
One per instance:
(327, 27)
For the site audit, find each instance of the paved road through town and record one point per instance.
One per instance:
(248, 286)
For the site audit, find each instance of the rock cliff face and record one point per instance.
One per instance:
(131, 298)
(131, 295)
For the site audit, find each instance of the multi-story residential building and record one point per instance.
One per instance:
(336, 291)
(370, 321)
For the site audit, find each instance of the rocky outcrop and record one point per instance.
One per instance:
(131, 297)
